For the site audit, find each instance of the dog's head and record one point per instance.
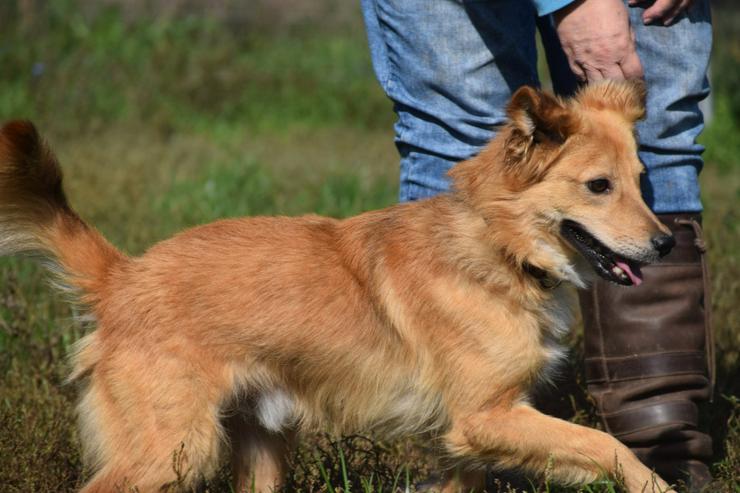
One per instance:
(559, 186)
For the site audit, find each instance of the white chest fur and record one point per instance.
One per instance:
(556, 320)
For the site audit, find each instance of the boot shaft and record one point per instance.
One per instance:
(650, 356)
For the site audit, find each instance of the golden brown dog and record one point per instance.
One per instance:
(437, 315)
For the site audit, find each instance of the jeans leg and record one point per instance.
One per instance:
(675, 60)
(564, 82)
(450, 67)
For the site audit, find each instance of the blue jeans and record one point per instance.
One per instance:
(450, 66)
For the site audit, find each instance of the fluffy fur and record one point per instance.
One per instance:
(422, 317)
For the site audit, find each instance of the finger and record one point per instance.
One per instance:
(631, 66)
(592, 74)
(613, 72)
(658, 10)
(677, 10)
(577, 71)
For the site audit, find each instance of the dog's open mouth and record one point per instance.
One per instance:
(605, 262)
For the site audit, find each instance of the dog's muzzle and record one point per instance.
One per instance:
(605, 261)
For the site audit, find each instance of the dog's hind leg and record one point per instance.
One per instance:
(149, 424)
(259, 457)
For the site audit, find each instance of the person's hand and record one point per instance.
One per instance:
(662, 11)
(597, 40)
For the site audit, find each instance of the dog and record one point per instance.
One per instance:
(436, 316)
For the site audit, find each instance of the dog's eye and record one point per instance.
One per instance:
(600, 185)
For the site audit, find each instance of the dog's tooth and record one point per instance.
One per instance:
(618, 271)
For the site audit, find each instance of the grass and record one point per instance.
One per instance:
(162, 124)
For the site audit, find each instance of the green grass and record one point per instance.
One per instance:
(163, 124)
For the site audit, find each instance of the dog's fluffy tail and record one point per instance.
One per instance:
(36, 219)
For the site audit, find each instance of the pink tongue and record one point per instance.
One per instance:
(636, 279)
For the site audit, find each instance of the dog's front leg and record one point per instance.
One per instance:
(521, 436)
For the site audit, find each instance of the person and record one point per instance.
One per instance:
(450, 67)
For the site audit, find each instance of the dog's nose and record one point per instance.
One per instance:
(663, 243)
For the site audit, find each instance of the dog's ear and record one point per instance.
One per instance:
(537, 119)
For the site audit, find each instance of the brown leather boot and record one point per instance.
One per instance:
(650, 357)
